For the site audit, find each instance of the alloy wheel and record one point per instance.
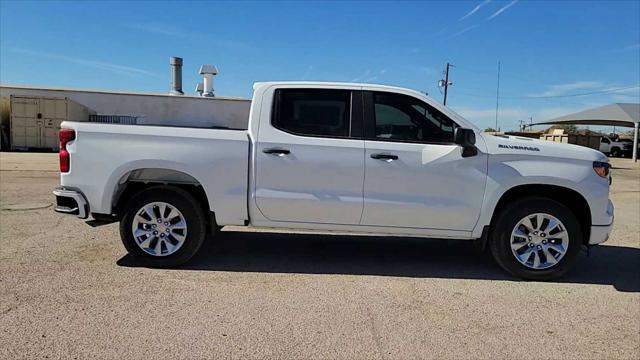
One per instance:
(539, 241)
(159, 229)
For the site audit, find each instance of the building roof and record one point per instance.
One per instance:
(618, 114)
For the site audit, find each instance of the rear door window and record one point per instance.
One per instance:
(313, 112)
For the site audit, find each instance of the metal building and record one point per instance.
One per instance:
(35, 121)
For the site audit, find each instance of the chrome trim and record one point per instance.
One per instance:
(82, 208)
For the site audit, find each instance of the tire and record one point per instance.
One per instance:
(536, 247)
(182, 237)
(615, 152)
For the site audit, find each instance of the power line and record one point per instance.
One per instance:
(573, 95)
(537, 80)
(510, 75)
(556, 96)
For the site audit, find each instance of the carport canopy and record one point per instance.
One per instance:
(618, 114)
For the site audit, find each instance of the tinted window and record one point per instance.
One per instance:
(313, 112)
(401, 117)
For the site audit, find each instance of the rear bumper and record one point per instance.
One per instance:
(71, 202)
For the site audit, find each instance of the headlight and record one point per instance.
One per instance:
(601, 168)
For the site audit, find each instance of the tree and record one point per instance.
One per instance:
(568, 129)
(489, 129)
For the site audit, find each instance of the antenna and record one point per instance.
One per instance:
(497, 94)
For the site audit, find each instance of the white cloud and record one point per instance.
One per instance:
(486, 117)
(427, 70)
(554, 112)
(626, 98)
(563, 89)
(367, 76)
(475, 9)
(468, 28)
(160, 29)
(502, 9)
(627, 89)
(585, 88)
(100, 65)
(172, 31)
(361, 77)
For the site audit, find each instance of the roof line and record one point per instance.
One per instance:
(120, 92)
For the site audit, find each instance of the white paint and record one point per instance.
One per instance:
(208, 85)
(333, 184)
(433, 152)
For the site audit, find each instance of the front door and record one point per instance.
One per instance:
(309, 157)
(416, 176)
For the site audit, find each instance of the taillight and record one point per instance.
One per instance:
(65, 136)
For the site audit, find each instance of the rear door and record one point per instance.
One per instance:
(24, 122)
(309, 163)
(416, 176)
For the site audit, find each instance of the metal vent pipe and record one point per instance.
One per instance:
(176, 75)
(208, 72)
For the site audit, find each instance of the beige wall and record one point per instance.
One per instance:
(152, 108)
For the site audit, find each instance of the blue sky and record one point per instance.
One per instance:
(549, 50)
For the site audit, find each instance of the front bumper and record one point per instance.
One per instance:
(600, 233)
(71, 202)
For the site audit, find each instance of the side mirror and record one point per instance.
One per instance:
(467, 139)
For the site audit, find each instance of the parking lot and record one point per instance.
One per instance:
(68, 290)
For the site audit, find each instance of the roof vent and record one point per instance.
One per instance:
(207, 72)
(176, 75)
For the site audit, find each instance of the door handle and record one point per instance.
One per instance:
(388, 157)
(276, 151)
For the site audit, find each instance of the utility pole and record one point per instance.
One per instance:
(522, 125)
(445, 83)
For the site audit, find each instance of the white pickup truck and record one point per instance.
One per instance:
(616, 147)
(345, 157)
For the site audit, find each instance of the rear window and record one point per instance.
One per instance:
(313, 112)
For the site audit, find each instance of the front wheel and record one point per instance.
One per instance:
(615, 152)
(163, 226)
(536, 238)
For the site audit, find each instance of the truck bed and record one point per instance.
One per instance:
(109, 154)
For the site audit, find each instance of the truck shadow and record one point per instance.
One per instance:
(390, 256)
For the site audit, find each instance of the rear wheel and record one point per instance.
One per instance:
(536, 238)
(163, 226)
(615, 152)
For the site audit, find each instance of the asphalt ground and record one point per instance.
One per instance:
(70, 291)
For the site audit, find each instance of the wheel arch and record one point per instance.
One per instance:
(568, 197)
(137, 180)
